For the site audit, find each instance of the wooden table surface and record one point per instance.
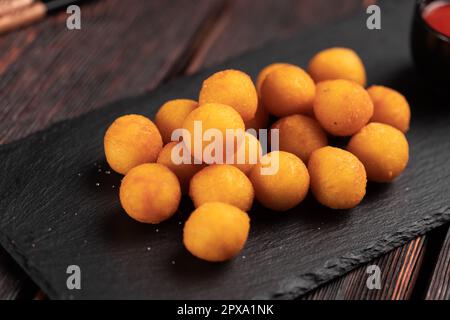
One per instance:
(48, 73)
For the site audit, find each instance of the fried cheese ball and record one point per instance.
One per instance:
(288, 90)
(338, 178)
(342, 107)
(390, 107)
(283, 186)
(265, 71)
(211, 116)
(337, 63)
(233, 88)
(216, 231)
(260, 120)
(183, 171)
(223, 183)
(382, 149)
(300, 135)
(247, 154)
(171, 116)
(131, 140)
(150, 193)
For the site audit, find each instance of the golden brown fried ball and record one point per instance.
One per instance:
(171, 116)
(183, 171)
(338, 178)
(223, 183)
(337, 63)
(265, 71)
(150, 193)
(131, 140)
(390, 107)
(212, 116)
(233, 88)
(342, 107)
(382, 149)
(284, 187)
(300, 135)
(288, 90)
(216, 231)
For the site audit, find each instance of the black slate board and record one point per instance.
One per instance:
(53, 213)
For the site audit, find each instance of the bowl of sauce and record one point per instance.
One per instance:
(430, 41)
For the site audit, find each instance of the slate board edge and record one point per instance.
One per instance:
(294, 287)
(303, 283)
(27, 267)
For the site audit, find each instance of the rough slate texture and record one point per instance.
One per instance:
(54, 214)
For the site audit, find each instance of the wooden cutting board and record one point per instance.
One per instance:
(59, 199)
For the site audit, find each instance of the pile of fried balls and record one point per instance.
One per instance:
(307, 107)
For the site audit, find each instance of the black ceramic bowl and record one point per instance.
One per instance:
(430, 48)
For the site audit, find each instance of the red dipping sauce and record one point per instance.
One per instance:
(437, 16)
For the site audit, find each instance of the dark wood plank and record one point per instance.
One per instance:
(399, 270)
(246, 25)
(439, 287)
(48, 73)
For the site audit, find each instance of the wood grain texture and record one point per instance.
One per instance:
(284, 257)
(399, 270)
(439, 288)
(246, 25)
(49, 73)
